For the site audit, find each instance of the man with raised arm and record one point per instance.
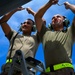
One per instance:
(56, 40)
(25, 42)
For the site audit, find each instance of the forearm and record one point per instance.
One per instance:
(72, 8)
(38, 16)
(7, 16)
(5, 27)
(43, 9)
(32, 12)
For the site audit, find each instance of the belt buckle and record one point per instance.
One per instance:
(47, 69)
(50, 69)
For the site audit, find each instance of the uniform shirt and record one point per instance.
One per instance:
(57, 45)
(27, 44)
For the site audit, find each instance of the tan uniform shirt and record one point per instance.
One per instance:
(57, 45)
(27, 44)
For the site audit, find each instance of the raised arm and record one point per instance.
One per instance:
(5, 18)
(40, 13)
(30, 11)
(72, 8)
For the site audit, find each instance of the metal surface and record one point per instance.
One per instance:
(19, 63)
(9, 5)
(60, 4)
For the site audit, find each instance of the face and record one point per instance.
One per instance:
(27, 27)
(57, 22)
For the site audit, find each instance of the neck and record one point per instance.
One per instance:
(27, 34)
(58, 29)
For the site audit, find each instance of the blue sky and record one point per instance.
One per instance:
(21, 16)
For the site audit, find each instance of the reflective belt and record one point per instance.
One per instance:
(9, 61)
(60, 66)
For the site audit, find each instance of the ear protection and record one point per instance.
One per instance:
(66, 23)
(33, 28)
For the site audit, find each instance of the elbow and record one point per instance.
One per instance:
(74, 12)
(3, 21)
(37, 16)
(74, 9)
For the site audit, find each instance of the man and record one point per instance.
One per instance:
(57, 42)
(26, 42)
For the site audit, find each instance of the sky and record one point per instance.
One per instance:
(20, 16)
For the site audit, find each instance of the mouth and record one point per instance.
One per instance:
(24, 28)
(57, 22)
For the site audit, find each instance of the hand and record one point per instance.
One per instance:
(66, 5)
(29, 10)
(19, 9)
(54, 1)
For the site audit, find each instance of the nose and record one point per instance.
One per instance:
(24, 24)
(55, 17)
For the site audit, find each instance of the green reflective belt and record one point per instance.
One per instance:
(60, 66)
(9, 61)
